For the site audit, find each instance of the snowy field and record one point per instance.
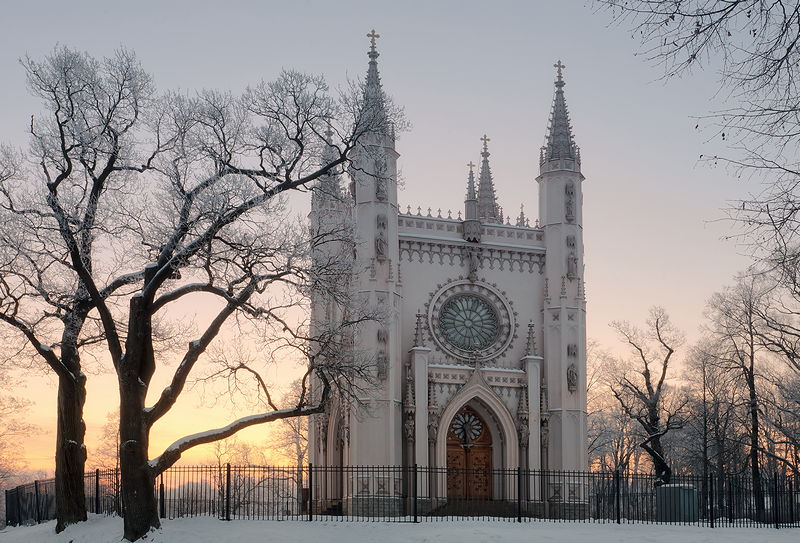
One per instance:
(208, 530)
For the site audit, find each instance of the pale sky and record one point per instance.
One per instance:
(460, 69)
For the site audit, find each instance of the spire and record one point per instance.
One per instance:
(560, 143)
(373, 93)
(521, 218)
(471, 183)
(487, 201)
(329, 187)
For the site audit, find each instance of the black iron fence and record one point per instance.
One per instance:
(424, 494)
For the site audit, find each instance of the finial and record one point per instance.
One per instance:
(485, 139)
(531, 346)
(373, 41)
(418, 330)
(521, 218)
(558, 66)
(471, 165)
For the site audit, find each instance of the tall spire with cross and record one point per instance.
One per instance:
(560, 143)
(487, 200)
(373, 93)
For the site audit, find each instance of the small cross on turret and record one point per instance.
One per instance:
(485, 140)
(471, 165)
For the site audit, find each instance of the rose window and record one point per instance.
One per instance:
(467, 427)
(468, 322)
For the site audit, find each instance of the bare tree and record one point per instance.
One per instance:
(734, 322)
(133, 202)
(640, 384)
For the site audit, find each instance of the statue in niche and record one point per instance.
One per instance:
(433, 424)
(408, 424)
(569, 202)
(572, 266)
(474, 263)
(572, 378)
(382, 364)
(380, 178)
(381, 244)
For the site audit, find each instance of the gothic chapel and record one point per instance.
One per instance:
(481, 359)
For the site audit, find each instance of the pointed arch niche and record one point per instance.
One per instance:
(477, 395)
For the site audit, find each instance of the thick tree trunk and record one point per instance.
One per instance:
(70, 452)
(138, 478)
(138, 481)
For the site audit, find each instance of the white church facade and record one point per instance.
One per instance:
(480, 359)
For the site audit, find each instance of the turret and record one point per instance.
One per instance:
(564, 334)
(472, 223)
(375, 438)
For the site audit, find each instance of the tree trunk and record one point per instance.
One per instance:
(755, 467)
(135, 369)
(70, 452)
(138, 479)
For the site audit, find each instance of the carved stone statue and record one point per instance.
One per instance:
(433, 424)
(569, 202)
(382, 365)
(474, 263)
(381, 245)
(572, 266)
(572, 378)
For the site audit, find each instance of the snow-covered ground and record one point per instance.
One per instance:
(208, 530)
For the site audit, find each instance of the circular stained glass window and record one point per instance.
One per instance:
(467, 427)
(468, 322)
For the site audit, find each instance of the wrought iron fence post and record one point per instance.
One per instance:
(776, 506)
(310, 492)
(97, 490)
(228, 491)
(791, 501)
(37, 517)
(711, 499)
(162, 502)
(617, 496)
(519, 494)
(414, 490)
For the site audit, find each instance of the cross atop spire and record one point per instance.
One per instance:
(560, 143)
(470, 165)
(558, 66)
(488, 210)
(373, 38)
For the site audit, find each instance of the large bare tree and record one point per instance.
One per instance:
(131, 203)
(640, 384)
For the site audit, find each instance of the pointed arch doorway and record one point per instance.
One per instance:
(469, 456)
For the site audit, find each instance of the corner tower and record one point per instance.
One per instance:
(564, 313)
(375, 426)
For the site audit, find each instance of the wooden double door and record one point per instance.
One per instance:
(469, 457)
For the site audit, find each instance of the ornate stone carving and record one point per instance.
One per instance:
(569, 202)
(572, 378)
(380, 178)
(572, 350)
(381, 244)
(419, 340)
(572, 260)
(530, 348)
(446, 254)
(382, 365)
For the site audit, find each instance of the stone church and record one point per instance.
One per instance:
(480, 361)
